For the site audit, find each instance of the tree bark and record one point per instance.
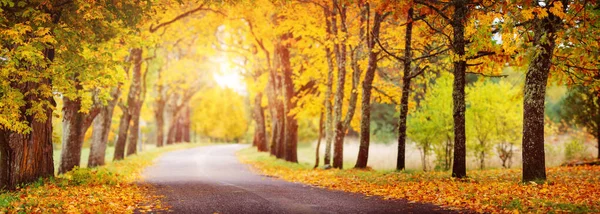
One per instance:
(260, 138)
(186, 125)
(319, 141)
(406, 79)
(328, 93)
(122, 135)
(132, 97)
(598, 121)
(340, 52)
(271, 96)
(136, 99)
(159, 114)
(290, 137)
(134, 132)
(365, 122)
(280, 130)
(27, 157)
(75, 124)
(544, 40)
(459, 167)
(101, 129)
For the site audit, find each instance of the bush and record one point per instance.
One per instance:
(574, 150)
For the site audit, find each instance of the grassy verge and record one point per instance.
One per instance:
(108, 189)
(569, 189)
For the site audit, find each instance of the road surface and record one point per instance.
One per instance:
(210, 179)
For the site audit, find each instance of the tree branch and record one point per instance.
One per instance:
(481, 54)
(183, 15)
(487, 75)
(385, 95)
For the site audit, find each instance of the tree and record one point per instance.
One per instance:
(363, 154)
(582, 107)
(556, 37)
(217, 118)
(492, 119)
(427, 125)
(469, 21)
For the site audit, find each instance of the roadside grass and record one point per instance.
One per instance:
(108, 189)
(568, 189)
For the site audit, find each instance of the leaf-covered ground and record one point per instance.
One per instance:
(568, 189)
(113, 188)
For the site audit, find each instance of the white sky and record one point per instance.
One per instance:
(229, 76)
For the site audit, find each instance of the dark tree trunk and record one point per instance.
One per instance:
(260, 137)
(75, 124)
(406, 79)
(273, 112)
(101, 129)
(135, 99)
(186, 125)
(290, 138)
(534, 163)
(459, 168)
(280, 131)
(598, 121)
(134, 132)
(159, 114)
(159, 111)
(122, 135)
(132, 101)
(319, 141)
(27, 157)
(365, 122)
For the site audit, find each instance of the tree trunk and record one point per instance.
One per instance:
(534, 162)
(260, 138)
(290, 138)
(159, 114)
(186, 125)
(459, 167)
(319, 141)
(132, 99)
(101, 129)
(280, 131)
(340, 52)
(406, 79)
(365, 122)
(75, 124)
(122, 135)
(598, 120)
(135, 99)
(134, 132)
(27, 157)
(328, 92)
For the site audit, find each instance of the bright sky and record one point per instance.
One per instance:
(229, 76)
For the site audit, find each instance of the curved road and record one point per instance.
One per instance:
(210, 179)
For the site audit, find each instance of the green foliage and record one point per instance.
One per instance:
(430, 126)
(580, 108)
(574, 150)
(384, 124)
(494, 119)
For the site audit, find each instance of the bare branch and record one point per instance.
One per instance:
(487, 75)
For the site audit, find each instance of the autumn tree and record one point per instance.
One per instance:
(557, 39)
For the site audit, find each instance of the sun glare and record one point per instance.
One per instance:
(229, 76)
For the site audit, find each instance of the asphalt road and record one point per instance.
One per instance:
(210, 179)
